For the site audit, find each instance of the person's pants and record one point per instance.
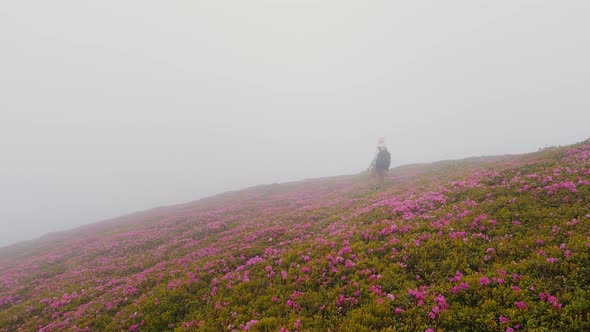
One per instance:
(379, 174)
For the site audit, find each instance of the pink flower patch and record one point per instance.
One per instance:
(484, 281)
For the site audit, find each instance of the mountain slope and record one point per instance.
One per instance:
(487, 244)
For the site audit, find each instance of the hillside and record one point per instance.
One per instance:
(482, 244)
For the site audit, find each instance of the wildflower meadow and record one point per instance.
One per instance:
(482, 244)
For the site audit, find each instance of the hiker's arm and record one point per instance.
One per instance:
(373, 161)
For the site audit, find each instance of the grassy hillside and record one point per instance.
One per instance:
(483, 244)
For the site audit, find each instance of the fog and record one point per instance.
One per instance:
(109, 107)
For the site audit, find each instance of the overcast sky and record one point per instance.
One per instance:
(109, 107)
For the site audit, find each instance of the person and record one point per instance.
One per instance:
(380, 165)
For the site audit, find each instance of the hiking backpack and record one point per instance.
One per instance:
(383, 159)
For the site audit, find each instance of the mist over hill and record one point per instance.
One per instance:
(494, 243)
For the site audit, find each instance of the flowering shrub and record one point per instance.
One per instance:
(489, 244)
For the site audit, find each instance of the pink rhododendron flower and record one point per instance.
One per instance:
(249, 324)
(457, 277)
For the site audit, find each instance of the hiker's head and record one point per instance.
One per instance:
(381, 143)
